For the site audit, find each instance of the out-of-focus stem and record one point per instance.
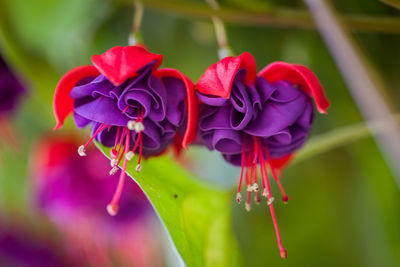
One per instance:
(277, 17)
(392, 3)
(341, 137)
(220, 31)
(363, 87)
(134, 36)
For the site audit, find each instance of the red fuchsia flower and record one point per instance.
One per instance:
(124, 94)
(257, 119)
(72, 192)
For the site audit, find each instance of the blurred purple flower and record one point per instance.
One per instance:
(11, 89)
(18, 247)
(73, 192)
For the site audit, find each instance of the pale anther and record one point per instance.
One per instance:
(131, 125)
(113, 170)
(138, 167)
(139, 127)
(129, 155)
(255, 187)
(238, 197)
(113, 162)
(247, 206)
(81, 151)
(265, 192)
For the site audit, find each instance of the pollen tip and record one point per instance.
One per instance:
(139, 127)
(285, 199)
(248, 206)
(129, 155)
(238, 197)
(113, 162)
(270, 200)
(113, 170)
(112, 209)
(257, 199)
(131, 125)
(265, 192)
(82, 151)
(283, 253)
(249, 188)
(255, 187)
(138, 168)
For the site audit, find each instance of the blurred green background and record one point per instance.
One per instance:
(344, 207)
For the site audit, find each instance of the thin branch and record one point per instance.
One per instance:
(392, 3)
(366, 90)
(278, 17)
(341, 137)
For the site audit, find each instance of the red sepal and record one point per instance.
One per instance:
(191, 102)
(297, 74)
(120, 63)
(63, 104)
(279, 163)
(218, 78)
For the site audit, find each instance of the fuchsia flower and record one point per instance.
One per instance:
(257, 119)
(72, 191)
(124, 94)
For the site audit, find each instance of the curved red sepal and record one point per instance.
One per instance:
(63, 104)
(297, 74)
(192, 104)
(120, 63)
(279, 163)
(218, 78)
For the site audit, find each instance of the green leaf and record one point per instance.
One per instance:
(197, 217)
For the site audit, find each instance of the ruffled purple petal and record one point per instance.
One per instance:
(279, 114)
(160, 101)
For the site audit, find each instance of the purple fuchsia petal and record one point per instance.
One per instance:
(277, 113)
(191, 102)
(160, 98)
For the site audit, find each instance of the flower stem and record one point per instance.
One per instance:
(341, 137)
(220, 32)
(135, 36)
(275, 17)
(392, 3)
(362, 83)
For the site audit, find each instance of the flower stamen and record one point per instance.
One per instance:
(270, 199)
(239, 196)
(285, 198)
(112, 208)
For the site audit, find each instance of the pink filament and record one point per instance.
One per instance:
(271, 207)
(117, 194)
(101, 128)
(243, 163)
(276, 178)
(116, 138)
